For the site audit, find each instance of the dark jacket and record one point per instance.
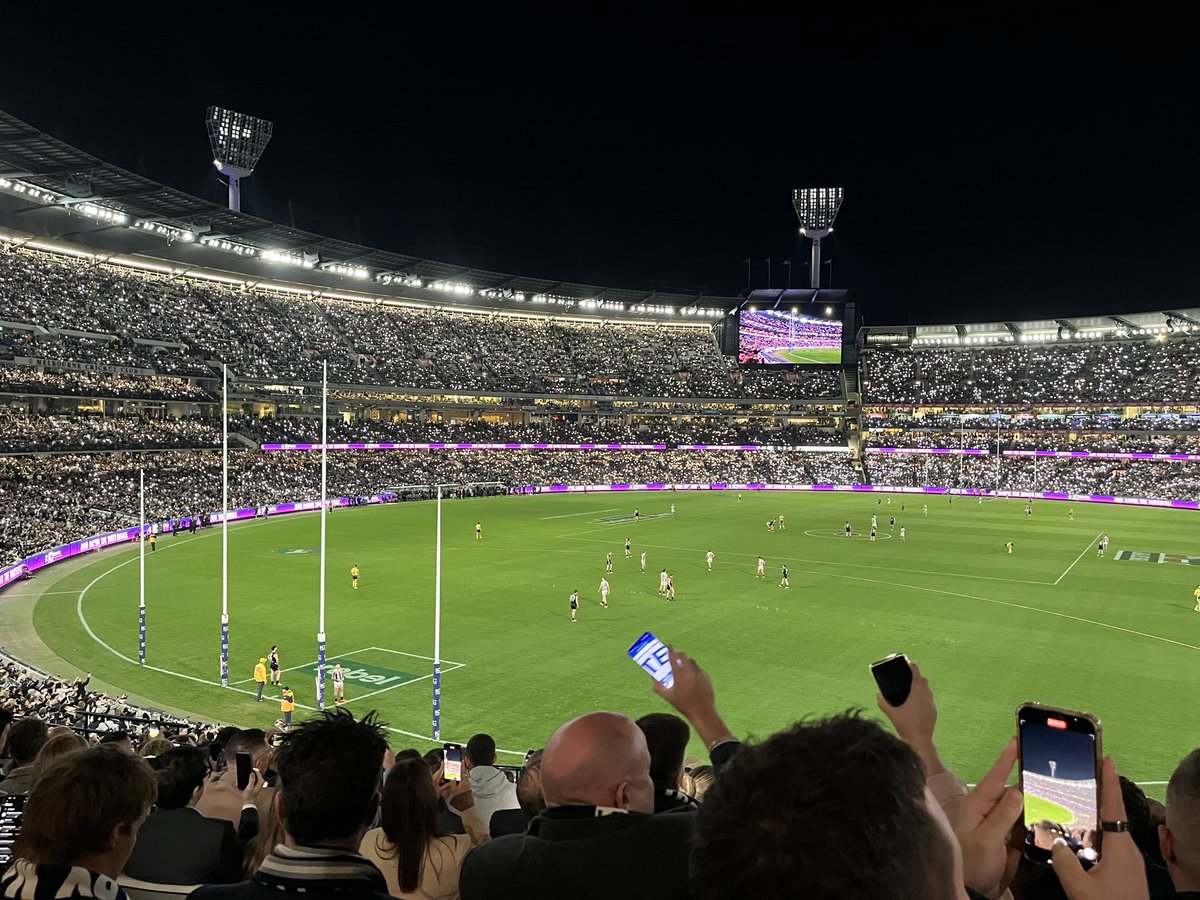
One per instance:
(181, 846)
(571, 852)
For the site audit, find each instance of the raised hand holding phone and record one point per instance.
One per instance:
(452, 767)
(1121, 874)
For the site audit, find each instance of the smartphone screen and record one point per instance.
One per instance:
(1060, 757)
(651, 654)
(244, 765)
(452, 769)
(894, 677)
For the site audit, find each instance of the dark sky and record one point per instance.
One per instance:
(1015, 163)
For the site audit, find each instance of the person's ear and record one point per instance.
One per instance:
(621, 796)
(1166, 844)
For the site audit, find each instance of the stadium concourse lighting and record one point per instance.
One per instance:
(816, 208)
(237, 142)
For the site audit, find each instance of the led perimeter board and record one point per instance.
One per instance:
(790, 336)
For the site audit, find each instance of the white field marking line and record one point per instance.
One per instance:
(306, 665)
(591, 512)
(821, 562)
(248, 693)
(1079, 557)
(1048, 612)
(415, 655)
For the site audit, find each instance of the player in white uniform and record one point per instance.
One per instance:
(672, 509)
(709, 559)
(902, 534)
(662, 581)
(604, 592)
(874, 522)
(643, 562)
(762, 568)
(339, 684)
(1103, 545)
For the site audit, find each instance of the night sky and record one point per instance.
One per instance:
(997, 165)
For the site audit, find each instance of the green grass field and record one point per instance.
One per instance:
(1051, 622)
(809, 355)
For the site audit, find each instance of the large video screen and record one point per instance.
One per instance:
(779, 337)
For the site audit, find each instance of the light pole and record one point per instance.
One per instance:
(816, 208)
(237, 142)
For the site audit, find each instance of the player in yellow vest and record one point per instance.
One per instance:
(260, 677)
(287, 705)
(1196, 594)
(354, 576)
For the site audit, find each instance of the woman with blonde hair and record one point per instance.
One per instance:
(58, 746)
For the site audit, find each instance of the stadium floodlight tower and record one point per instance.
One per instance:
(237, 142)
(816, 208)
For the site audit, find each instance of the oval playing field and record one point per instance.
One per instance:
(1050, 622)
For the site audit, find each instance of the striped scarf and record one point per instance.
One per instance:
(319, 869)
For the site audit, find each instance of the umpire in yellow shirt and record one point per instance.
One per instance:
(287, 705)
(260, 677)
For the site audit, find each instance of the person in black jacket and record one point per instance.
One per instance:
(598, 837)
(177, 844)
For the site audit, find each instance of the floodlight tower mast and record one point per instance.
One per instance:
(816, 208)
(237, 142)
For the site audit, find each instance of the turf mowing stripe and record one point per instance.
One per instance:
(1049, 612)
(1079, 557)
(416, 655)
(454, 667)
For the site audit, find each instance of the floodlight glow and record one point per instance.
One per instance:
(816, 208)
(238, 141)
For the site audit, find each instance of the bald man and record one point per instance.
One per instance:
(597, 837)
(1179, 838)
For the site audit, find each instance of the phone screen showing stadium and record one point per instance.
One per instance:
(452, 769)
(651, 654)
(1059, 754)
(781, 337)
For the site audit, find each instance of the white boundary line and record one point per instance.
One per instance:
(573, 515)
(1096, 540)
(304, 665)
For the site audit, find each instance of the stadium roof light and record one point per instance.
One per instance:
(816, 208)
(238, 141)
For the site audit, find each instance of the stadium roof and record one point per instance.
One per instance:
(1126, 326)
(75, 181)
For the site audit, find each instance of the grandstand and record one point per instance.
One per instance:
(123, 302)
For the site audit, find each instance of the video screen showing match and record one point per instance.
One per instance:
(778, 337)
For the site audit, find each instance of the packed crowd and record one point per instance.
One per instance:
(1094, 441)
(1064, 420)
(711, 430)
(1115, 478)
(26, 692)
(181, 326)
(1110, 373)
(826, 809)
(24, 380)
(55, 434)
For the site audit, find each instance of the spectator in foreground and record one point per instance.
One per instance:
(529, 796)
(79, 826)
(598, 837)
(489, 786)
(667, 737)
(416, 862)
(1179, 838)
(25, 739)
(326, 798)
(222, 797)
(178, 845)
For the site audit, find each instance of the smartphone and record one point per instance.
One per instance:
(452, 767)
(894, 677)
(651, 654)
(1060, 778)
(244, 767)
